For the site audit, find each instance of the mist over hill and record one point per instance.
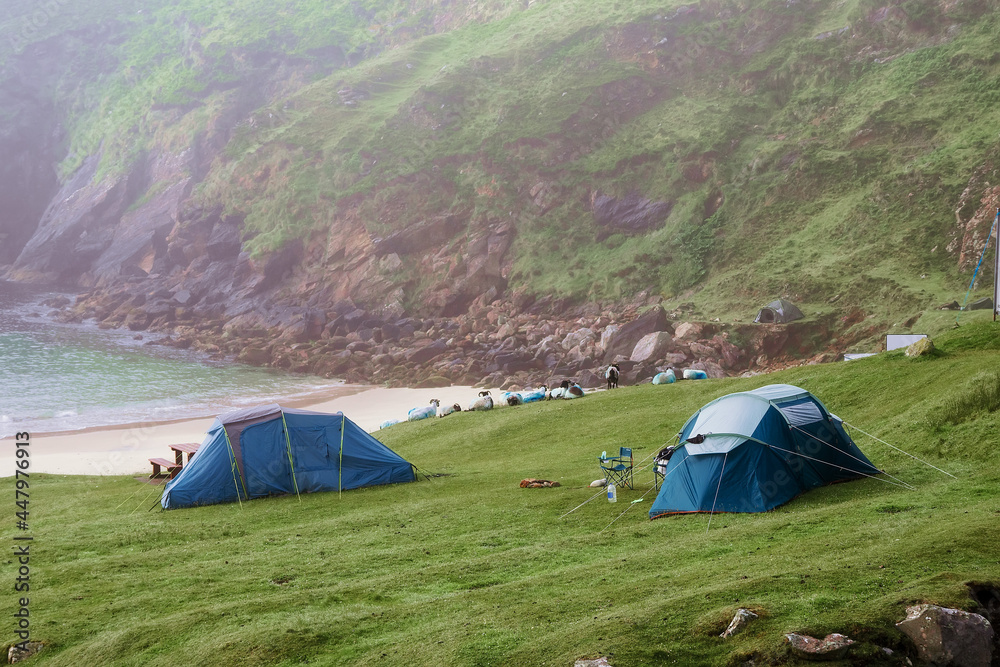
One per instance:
(252, 167)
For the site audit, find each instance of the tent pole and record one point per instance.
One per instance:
(288, 442)
(340, 467)
(721, 473)
(235, 469)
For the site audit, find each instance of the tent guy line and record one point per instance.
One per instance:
(899, 483)
(630, 506)
(848, 454)
(900, 450)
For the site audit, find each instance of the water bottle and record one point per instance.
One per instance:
(604, 456)
(612, 494)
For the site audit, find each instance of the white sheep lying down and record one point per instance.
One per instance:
(484, 402)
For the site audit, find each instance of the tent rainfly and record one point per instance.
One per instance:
(778, 312)
(271, 450)
(753, 451)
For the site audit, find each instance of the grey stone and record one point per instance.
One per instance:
(652, 347)
(16, 654)
(831, 647)
(624, 340)
(592, 662)
(949, 636)
(740, 621)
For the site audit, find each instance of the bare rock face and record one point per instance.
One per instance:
(420, 237)
(831, 647)
(632, 214)
(949, 636)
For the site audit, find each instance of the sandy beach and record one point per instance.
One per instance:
(123, 450)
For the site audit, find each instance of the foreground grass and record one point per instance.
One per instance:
(470, 569)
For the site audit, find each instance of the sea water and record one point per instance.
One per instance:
(64, 377)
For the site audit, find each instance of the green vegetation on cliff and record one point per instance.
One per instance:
(470, 569)
(801, 149)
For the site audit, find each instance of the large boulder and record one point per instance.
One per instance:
(652, 347)
(625, 339)
(920, 348)
(949, 636)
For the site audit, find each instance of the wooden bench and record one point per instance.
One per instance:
(171, 467)
(189, 448)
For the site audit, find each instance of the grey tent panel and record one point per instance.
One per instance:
(779, 312)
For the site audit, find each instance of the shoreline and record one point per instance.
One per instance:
(125, 449)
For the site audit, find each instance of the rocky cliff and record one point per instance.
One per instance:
(452, 195)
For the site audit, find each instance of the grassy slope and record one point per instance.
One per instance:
(469, 569)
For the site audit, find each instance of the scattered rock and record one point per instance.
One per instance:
(948, 636)
(920, 348)
(831, 647)
(16, 654)
(740, 621)
(594, 662)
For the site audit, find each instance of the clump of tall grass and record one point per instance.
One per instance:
(981, 395)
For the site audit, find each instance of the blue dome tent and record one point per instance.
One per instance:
(271, 450)
(753, 451)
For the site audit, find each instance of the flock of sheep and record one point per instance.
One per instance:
(485, 402)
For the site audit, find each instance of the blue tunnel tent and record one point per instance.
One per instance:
(753, 451)
(271, 450)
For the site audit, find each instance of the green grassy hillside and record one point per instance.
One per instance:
(469, 569)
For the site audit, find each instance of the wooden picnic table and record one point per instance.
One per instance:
(190, 448)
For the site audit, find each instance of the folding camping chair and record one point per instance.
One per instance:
(618, 469)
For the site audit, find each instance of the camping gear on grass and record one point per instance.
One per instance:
(753, 451)
(778, 312)
(271, 450)
(618, 469)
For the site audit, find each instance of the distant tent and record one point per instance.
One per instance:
(755, 450)
(271, 450)
(779, 312)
